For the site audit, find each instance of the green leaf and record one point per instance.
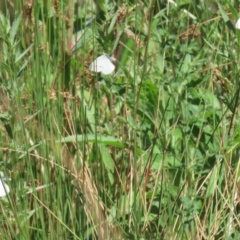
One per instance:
(14, 28)
(108, 162)
(101, 139)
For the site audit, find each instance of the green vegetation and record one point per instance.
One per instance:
(148, 152)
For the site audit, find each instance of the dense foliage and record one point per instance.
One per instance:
(148, 152)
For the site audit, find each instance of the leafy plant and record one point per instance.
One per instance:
(148, 152)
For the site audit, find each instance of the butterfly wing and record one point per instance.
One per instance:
(4, 189)
(237, 24)
(95, 66)
(102, 64)
(108, 67)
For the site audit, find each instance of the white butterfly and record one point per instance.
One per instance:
(237, 24)
(4, 188)
(103, 65)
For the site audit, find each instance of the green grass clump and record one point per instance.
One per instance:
(150, 151)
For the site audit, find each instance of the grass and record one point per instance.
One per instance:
(148, 152)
